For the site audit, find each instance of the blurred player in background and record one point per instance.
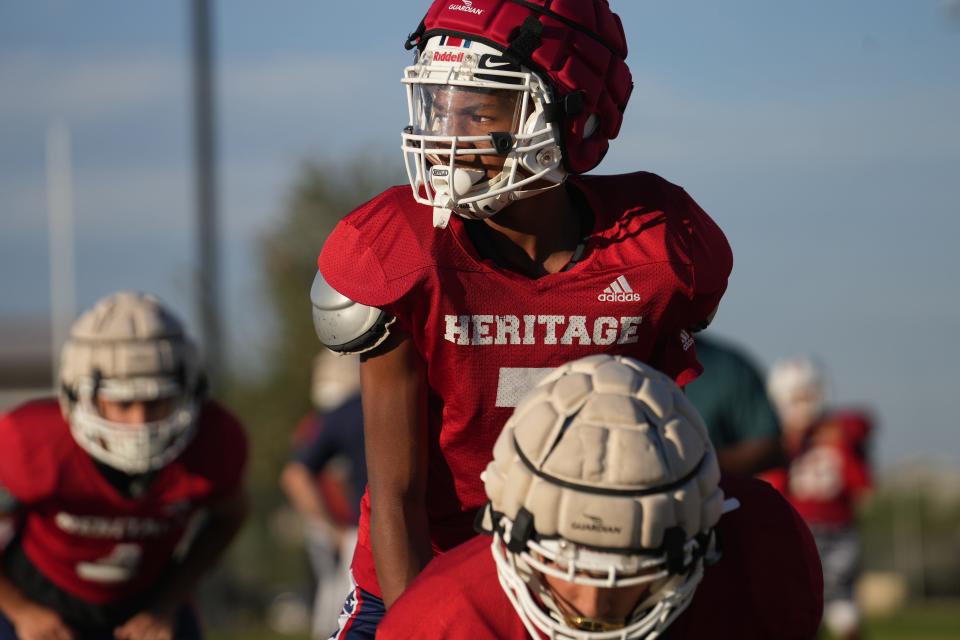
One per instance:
(827, 477)
(731, 397)
(326, 478)
(123, 493)
(610, 520)
(457, 315)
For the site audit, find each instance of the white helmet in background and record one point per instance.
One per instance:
(130, 348)
(335, 379)
(604, 476)
(798, 388)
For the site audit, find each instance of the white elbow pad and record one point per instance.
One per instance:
(343, 325)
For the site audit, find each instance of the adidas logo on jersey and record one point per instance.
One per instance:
(619, 291)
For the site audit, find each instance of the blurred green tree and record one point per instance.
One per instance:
(273, 400)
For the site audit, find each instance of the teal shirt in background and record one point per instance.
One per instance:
(731, 395)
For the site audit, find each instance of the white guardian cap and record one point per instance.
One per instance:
(130, 348)
(603, 476)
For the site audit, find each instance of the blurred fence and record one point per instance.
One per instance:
(911, 529)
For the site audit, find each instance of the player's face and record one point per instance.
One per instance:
(595, 608)
(460, 111)
(801, 409)
(135, 412)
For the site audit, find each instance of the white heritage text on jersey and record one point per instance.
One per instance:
(489, 329)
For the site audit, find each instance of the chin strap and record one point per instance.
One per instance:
(441, 217)
(486, 208)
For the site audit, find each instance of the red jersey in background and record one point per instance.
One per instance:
(828, 470)
(79, 531)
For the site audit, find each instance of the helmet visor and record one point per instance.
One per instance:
(452, 110)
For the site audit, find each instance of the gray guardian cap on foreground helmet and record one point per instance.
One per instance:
(603, 476)
(130, 348)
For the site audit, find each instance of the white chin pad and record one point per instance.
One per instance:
(462, 183)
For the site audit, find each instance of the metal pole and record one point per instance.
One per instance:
(205, 189)
(63, 297)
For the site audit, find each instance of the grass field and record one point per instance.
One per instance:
(939, 621)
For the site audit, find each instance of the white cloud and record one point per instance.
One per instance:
(43, 84)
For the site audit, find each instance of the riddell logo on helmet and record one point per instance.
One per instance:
(447, 56)
(467, 7)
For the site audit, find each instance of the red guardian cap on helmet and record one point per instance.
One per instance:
(578, 45)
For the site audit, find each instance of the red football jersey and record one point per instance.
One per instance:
(80, 532)
(828, 470)
(767, 584)
(654, 265)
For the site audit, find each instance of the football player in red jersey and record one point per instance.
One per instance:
(103, 485)
(826, 478)
(609, 520)
(510, 102)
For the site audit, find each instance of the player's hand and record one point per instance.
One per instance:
(322, 529)
(40, 623)
(147, 625)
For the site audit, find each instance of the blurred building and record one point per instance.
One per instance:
(26, 361)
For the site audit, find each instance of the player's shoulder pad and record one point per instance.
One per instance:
(773, 547)
(643, 205)
(36, 444)
(344, 325)
(220, 449)
(384, 249)
(855, 425)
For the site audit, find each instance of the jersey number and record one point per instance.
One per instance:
(817, 475)
(119, 566)
(514, 382)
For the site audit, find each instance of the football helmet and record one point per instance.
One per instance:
(130, 348)
(604, 476)
(553, 73)
(798, 388)
(335, 379)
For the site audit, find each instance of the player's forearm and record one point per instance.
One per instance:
(222, 525)
(395, 431)
(12, 601)
(301, 490)
(401, 543)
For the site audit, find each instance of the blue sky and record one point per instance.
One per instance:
(821, 135)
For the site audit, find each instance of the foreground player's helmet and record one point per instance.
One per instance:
(130, 348)
(798, 388)
(604, 476)
(554, 68)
